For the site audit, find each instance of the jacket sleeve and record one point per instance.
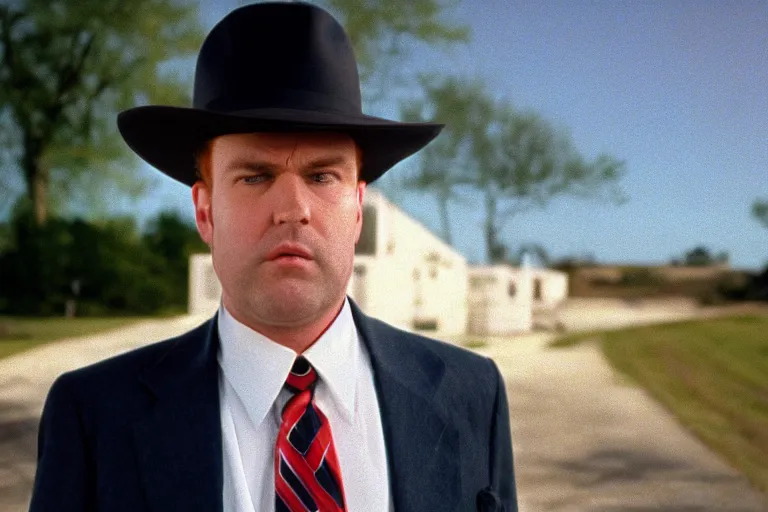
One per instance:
(62, 479)
(502, 468)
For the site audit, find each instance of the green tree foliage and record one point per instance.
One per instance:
(760, 211)
(448, 163)
(173, 239)
(383, 32)
(66, 68)
(108, 267)
(700, 256)
(512, 160)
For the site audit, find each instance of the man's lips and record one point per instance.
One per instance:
(289, 250)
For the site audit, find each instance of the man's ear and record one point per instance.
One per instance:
(201, 197)
(360, 196)
(361, 193)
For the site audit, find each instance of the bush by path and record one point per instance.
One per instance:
(109, 267)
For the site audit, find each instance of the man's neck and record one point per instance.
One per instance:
(297, 338)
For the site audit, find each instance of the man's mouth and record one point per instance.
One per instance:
(289, 251)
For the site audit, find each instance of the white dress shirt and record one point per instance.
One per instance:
(254, 369)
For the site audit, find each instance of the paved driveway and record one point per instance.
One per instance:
(24, 382)
(585, 440)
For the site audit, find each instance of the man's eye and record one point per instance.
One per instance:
(256, 178)
(323, 177)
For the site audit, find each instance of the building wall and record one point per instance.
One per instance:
(414, 279)
(204, 287)
(500, 300)
(550, 287)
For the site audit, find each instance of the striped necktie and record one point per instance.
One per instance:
(307, 472)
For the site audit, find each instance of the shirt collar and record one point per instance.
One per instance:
(257, 367)
(335, 356)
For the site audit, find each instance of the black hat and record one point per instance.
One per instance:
(271, 67)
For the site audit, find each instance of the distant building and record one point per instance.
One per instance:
(204, 286)
(549, 288)
(500, 300)
(504, 299)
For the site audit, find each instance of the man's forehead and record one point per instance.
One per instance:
(277, 144)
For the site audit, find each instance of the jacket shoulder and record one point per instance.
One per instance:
(461, 364)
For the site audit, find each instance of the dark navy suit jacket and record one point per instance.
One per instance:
(141, 431)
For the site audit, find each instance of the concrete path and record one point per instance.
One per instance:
(584, 440)
(24, 382)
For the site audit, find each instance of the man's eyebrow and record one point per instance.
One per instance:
(327, 161)
(251, 165)
(263, 166)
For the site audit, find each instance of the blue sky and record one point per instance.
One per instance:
(677, 89)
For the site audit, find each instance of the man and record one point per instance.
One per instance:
(290, 398)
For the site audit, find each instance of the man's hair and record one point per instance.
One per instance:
(204, 164)
(203, 169)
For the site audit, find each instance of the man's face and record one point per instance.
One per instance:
(282, 214)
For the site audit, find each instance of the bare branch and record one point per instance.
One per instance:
(71, 73)
(7, 21)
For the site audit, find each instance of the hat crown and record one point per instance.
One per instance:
(277, 56)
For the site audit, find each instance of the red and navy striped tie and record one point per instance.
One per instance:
(307, 472)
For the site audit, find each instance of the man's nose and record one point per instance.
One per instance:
(290, 200)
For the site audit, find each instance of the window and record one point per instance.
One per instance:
(537, 289)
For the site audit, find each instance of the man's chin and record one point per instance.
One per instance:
(292, 306)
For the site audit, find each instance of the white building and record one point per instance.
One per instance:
(500, 300)
(204, 286)
(504, 299)
(405, 275)
(549, 287)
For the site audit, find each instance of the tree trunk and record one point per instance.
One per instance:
(442, 202)
(36, 175)
(496, 252)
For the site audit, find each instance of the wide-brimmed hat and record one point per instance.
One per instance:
(271, 67)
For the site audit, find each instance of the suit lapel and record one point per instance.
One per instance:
(422, 446)
(179, 442)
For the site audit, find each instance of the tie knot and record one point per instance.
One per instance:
(302, 376)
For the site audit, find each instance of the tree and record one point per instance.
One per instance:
(66, 68)
(524, 163)
(512, 160)
(383, 32)
(107, 266)
(700, 256)
(447, 163)
(760, 211)
(174, 239)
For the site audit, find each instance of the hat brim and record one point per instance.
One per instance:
(168, 137)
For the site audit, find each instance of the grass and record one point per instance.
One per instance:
(569, 340)
(712, 374)
(474, 343)
(19, 334)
